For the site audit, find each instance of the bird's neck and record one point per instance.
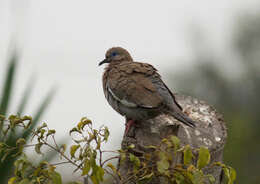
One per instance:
(115, 63)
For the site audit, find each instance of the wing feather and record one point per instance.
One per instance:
(132, 85)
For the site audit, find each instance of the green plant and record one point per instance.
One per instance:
(87, 157)
(160, 163)
(11, 139)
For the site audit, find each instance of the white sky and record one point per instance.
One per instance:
(62, 42)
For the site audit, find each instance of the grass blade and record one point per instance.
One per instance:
(26, 95)
(8, 84)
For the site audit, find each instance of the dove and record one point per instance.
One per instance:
(136, 90)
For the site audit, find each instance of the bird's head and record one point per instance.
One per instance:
(116, 54)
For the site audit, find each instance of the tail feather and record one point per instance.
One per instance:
(183, 118)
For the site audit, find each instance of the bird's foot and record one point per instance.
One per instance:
(128, 125)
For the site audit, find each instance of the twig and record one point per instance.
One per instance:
(108, 151)
(111, 174)
(52, 147)
(111, 158)
(55, 142)
(61, 163)
(69, 160)
(29, 145)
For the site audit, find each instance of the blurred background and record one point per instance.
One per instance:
(206, 49)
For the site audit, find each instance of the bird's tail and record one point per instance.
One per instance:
(179, 115)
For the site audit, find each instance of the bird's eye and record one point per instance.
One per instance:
(114, 54)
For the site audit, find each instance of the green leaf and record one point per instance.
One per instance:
(162, 166)
(97, 172)
(176, 142)
(204, 158)
(56, 178)
(27, 118)
(37, 148)
(86, 121)
(6, 154)
(131, 157)
(187, 155)
(131, 146)
(80, 126)
(73, 150)
(180, 179)
(122, 157)
(211, 178)
(134, 159)
(112, 167)
(83, 122)
(12, 180)
(86, 167)
(98, 142)
(20, 145)
(24, 181)
(42, 132)
(106, 134)
(151, 147)
(198, 177)
(219, 164)
(233, 174)
(50, 132)
(162, 155)
(94, 179)
(136, 162)
(41, 127)
(230, 173)
(146, 178)
(20, 142)
(74, 130)
(100, 173)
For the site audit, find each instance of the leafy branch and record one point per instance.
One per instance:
(87, 156)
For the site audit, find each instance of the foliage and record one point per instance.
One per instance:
(86, 155)
(160, 163)
(82, 154)
(6, 95)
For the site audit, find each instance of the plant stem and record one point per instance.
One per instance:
(111, 158)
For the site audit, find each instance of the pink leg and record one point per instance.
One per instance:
(128, 125)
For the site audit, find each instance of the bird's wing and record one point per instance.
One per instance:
(138, 84)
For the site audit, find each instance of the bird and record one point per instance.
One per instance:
(136, 90)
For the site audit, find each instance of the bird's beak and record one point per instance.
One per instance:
(104, 61)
